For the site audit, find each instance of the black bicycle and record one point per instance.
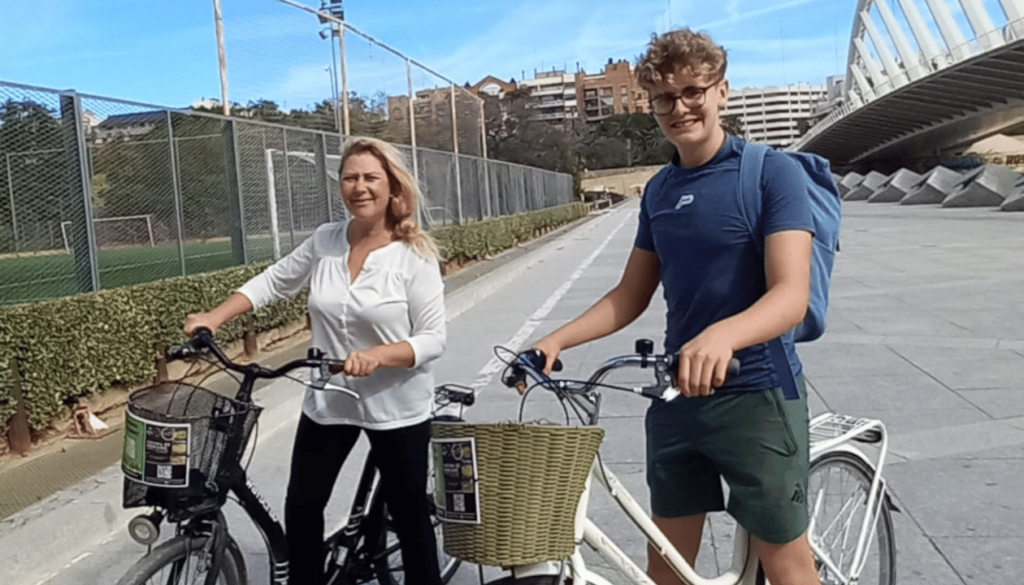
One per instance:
(183, 454)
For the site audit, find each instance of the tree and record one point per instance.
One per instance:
(515, 135)
(624, 140)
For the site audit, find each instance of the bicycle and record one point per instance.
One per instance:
(847, 529)
(197, 439)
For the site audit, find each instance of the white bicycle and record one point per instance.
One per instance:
(851, 530)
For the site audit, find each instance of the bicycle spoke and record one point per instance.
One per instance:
(840, 489)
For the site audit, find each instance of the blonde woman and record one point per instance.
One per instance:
(376, 299)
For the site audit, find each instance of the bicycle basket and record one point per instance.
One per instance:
(529, 479)
(182, 446)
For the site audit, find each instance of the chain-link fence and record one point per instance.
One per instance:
(100, 193)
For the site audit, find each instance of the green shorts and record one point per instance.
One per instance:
(757, 441)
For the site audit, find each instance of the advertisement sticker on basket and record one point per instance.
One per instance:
(456, 483)
(156, 453)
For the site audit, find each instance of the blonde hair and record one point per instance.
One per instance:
(405, 191)
(682, 47)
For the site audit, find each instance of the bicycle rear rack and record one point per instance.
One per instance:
(838, 428)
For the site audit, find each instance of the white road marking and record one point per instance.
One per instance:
(486, 374)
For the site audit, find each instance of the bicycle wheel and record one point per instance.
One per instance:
(184, 560)
(838, 489)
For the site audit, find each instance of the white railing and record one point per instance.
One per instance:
(1009, 32)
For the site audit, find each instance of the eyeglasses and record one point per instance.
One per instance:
(692, 97)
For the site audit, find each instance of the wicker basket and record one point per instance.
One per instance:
(531, 478)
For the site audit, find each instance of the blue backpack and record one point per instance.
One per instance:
(826, 208)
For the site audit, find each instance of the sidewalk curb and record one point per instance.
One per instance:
(42, 540)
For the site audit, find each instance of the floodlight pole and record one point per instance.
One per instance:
(222, 57)
(344, 77)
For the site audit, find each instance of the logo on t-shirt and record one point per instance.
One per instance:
(684, 200)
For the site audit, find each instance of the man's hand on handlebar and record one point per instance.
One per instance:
(703, 364)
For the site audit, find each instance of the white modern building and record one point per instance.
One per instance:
(777, 116)
(554, 95)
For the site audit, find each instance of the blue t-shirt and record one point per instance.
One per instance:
(710, 267)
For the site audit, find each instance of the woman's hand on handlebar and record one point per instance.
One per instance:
(550, 350)
(360, 364)
(704, 364)
(196, 321)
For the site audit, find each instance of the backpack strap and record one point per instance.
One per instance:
(749, 190)
(750, 205)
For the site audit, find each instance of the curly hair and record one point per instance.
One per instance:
(682, 47)
(401, 214)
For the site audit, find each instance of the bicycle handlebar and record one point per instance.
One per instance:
(531, 363)
(202, 341)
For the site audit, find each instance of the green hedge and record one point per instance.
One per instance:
(85, 344)
(482, 239)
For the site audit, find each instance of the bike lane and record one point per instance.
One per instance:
(883, 357)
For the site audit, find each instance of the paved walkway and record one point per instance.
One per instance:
(926, 333)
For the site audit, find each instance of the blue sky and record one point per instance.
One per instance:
(164, 51)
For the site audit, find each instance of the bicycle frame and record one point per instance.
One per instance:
(828, 432)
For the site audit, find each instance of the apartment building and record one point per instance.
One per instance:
(777, 116)
(432, 109)
(554, 95)
(613, 91)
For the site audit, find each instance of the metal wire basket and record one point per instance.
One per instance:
(529, 480)
(182, 447)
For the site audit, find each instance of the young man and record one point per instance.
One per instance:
(725, 299)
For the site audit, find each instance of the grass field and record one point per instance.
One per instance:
(30, 278)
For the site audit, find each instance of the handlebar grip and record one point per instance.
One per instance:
(202, 338)
(734, 367)
(203, 335)
(538, 360)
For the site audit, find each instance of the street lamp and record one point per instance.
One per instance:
(336, 28)
(328, 34)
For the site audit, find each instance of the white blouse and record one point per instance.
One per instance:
(397, 296)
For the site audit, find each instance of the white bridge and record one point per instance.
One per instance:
(923, 78)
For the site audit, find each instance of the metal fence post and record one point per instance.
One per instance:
(455, 151)
(487, 164)
(178, 211)
(288, 189)
(322, 173)
(14, 214)
(236, 208)
(79, 192)
(275, 234)
(412, 137)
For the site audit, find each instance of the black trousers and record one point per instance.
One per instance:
(401, 458)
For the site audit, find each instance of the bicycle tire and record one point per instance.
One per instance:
(880, 568)
(174, 552)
